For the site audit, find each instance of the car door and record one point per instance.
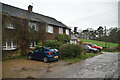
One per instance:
(39, 53)
(36, 53)
(42, 52)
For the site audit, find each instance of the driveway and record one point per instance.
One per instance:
(23, 68)
(101, 66)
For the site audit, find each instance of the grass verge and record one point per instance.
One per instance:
(100, 43)
(82, 57)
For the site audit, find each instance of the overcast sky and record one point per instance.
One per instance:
(75, 13)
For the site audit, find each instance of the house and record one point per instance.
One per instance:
(74, 40)
(29, 26)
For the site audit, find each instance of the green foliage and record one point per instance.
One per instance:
(22, 35)
(70, 51)
(113, 49)
(53, 43)
(62, 38)
(88, 55)
(40, 44)
(73, 60)
(100, 43)
(82, 57)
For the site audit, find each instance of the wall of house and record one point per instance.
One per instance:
(64, 32)
(56, 30)
(51, 36)
(21, 33)
(69, 31)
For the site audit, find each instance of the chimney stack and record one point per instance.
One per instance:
(30, 8)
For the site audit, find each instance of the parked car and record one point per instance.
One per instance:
(95, 46)
(91, 50)
(44, 53)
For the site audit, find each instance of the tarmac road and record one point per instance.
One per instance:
(101, 66)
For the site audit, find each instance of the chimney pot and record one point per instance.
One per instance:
(30, 8)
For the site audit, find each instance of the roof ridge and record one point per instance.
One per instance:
(34, 15)
(27, 10)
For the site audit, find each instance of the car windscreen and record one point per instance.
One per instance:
(91, 45)
(88, 47)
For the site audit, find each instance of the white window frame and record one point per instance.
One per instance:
(49, 29)
(60, 30)
(73, 42)
(67, 31)
(10, 26)
(31, 24)
(33, 44)
(12, 46)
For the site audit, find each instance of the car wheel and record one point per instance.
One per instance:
(99, 50)
(92, 51)
(45, 59)
(29, 57)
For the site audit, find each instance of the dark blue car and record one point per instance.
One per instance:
(44, 53)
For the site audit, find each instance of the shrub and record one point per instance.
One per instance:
(70, 51)
(63, 38)
(53, 43)
(40, 44)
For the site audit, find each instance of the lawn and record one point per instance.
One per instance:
(99, 43)
(82, 57)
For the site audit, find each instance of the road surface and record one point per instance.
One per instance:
(101, 66)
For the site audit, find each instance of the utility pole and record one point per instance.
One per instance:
(75, 31)
(105, 38)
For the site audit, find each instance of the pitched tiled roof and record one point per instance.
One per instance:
(17, 12)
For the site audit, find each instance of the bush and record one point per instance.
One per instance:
(63, 38)
(70, 51)
(40, 44)
(53, 43)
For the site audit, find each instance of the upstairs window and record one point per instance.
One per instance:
(10, 26)
(33, 26)
(67, 31)
(49, 29)
(60, 30)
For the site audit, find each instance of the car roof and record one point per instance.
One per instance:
(45, 47)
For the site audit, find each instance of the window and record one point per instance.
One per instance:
(53, 49)
(42, 49)
(9, 45)
(33, 44)
(33, 26)
(73, 42)
(10, 26)
(49, 29)
(4, 46)
(67, 31)
(92, 45)
(36, 50)
(60, 30)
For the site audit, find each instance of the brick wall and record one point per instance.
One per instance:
(51, 36)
